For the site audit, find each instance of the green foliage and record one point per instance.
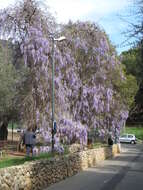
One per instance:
(13, 82)
(128, 90)
(15, 126)
(132, 60)
(8, 80)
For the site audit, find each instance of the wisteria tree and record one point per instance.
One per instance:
(94, 77)
(88, 74)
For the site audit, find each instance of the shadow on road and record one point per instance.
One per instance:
(120, 173)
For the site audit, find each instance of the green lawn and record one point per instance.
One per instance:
(138, 131)
(7, 162)
(15, 126)
(99, 144)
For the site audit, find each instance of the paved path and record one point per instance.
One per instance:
(124, 172)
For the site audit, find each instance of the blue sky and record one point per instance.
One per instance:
(104, 12)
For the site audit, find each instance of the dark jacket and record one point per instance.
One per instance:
(29, 138)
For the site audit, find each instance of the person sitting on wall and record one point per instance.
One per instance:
(110, 141)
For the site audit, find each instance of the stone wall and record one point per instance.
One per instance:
(37, 175)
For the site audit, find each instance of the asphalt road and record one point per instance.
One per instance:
(124, 172)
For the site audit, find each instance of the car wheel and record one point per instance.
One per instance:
(132, 142)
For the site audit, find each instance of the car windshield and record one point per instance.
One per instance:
(130, 136)
(123, 136)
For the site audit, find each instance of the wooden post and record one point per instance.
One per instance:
(12, 131)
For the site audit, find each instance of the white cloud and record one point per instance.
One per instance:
(70, 9)
(103, 12)
(85, 9)
(79, 9)
(6, 3)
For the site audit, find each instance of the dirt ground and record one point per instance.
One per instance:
(16, 136)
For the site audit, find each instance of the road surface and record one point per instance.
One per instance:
(124, 172)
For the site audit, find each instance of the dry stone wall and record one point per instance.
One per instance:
(37, 175)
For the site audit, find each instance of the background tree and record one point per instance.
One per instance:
(132, 59)
(8, 83)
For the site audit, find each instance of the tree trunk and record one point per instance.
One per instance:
(4, 131)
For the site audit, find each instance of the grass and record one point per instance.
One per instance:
(7, 162)
(99, 144)
(15, 126)
(14, 161)
(138, 131)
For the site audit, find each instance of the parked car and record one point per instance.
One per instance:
(37, 131)
(19, 130)
(128, 138)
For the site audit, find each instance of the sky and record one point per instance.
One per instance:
(107, 13)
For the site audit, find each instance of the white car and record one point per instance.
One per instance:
(128, 138)
(19, 130)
